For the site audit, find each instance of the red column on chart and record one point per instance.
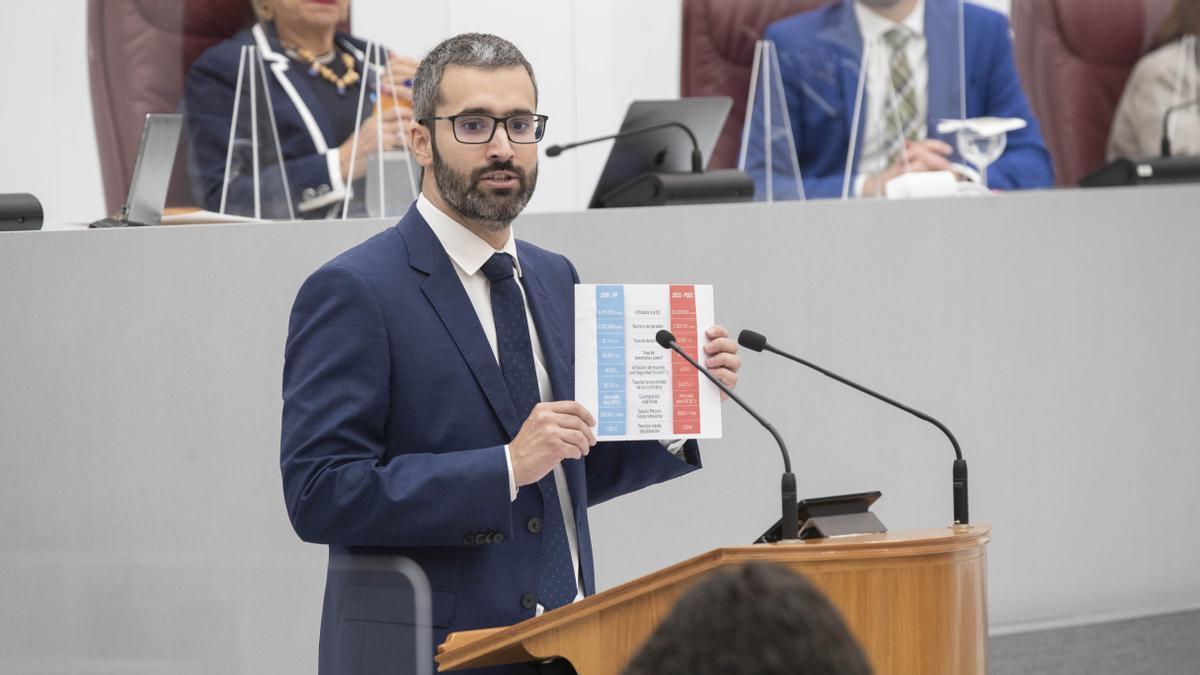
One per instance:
(685, 385)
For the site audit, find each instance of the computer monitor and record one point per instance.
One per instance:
(666, 150)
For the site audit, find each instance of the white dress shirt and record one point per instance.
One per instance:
(468, 253)
(873, 26)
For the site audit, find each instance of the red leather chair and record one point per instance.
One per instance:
(139, 52)
(718, 53)
(1074, 57)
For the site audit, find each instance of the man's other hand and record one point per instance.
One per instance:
(721, 358)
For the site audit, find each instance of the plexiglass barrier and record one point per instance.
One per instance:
(768, 141)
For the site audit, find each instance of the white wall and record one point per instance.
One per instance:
(590, 58)
(141, 515)
(47, 139)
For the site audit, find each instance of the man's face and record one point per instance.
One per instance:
(488, 183)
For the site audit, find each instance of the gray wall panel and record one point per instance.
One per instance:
(140, 502)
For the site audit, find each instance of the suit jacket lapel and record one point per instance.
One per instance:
(302, 84)
(553, 324)
(945, 59)
(294, 84)
(550, 321)
(445, 292)
(843, 39)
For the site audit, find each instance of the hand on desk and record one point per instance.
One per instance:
(926, 155)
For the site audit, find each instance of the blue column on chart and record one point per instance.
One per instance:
(610, 360)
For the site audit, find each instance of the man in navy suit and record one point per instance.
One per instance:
(428, 390)
(912, 81)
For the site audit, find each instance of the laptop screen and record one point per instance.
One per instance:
(152, 170)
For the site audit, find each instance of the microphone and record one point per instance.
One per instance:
(1165, 144)
(757, 342)
(697, 157)
(791, 518)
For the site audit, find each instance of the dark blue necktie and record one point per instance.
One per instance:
(557, 586)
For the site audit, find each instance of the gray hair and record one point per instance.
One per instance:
(470, 50)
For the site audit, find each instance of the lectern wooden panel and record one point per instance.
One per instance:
(916, 601)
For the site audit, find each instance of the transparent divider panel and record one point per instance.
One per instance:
(384, 176)
(768, 151)
(255, 184)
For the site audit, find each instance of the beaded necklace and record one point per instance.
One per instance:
(316, 66)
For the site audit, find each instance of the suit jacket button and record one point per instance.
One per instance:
(469, 539)
(489, 537)
(528, 601)
(534, 525)
(499, 537)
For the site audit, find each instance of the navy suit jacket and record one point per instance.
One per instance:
(820, 53)
(305, 133)
(394, 420)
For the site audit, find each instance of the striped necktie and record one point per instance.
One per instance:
(900, 118)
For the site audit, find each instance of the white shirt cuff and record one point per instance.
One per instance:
(512, 478)
(859, 181)
(334, 159)
(674, 446)
(331, 193)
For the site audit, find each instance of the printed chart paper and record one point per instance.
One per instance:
(633, 387)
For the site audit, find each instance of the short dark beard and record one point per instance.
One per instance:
(493, 211)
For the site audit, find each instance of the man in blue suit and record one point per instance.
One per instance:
(428, 390)
(912, 82)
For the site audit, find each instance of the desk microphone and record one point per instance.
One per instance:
(1165, 144)
(757, 342)
(697, 157)
(791, 518)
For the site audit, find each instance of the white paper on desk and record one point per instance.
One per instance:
(633, 387)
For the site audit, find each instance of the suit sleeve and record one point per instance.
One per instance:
(615, 468)
(339, 486)
(208, 109)
(814, 183)
(1025, 163)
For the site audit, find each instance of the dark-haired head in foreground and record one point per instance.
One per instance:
(755, 620)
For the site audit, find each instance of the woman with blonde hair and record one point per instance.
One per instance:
(314, 76)
(1165, 82)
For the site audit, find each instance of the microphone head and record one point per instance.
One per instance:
(751, 340)
(664, 338)
(554, 151)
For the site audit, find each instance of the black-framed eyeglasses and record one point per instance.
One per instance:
(477, 128)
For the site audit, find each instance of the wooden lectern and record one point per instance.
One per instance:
(916, 601)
